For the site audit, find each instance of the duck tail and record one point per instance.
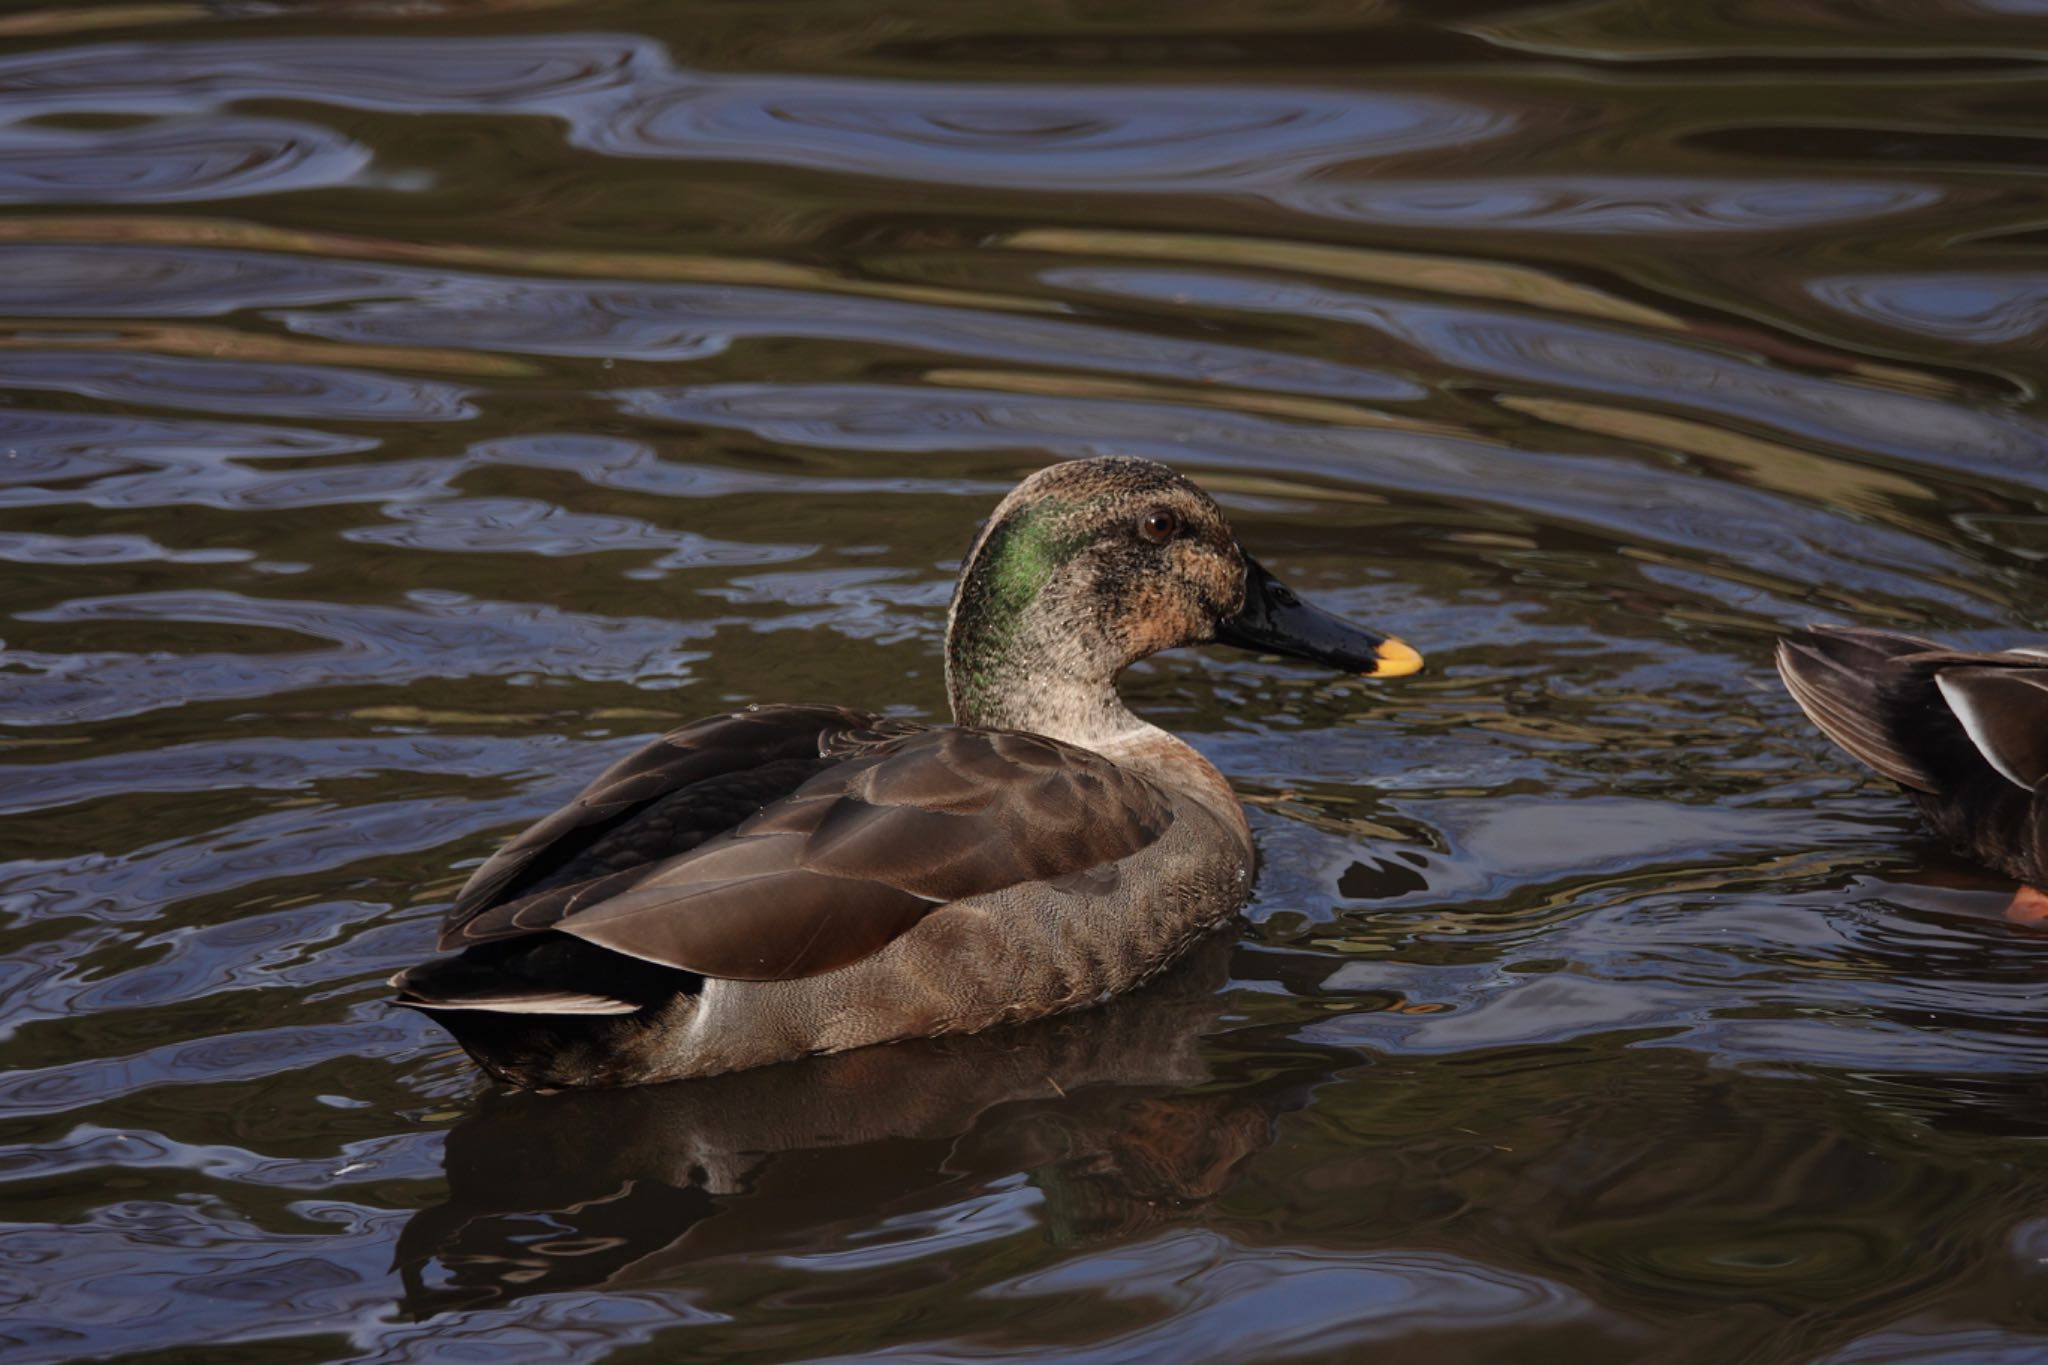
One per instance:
(1866, 691)
(458, 983)
(548, 1010)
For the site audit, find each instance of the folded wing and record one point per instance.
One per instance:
(841, 865)
(660, 801)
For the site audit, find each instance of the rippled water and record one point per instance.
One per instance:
(406, 408)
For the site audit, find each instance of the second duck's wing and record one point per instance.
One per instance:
(1966, 734)
(2003, 707)
(1932, 719)
(854, 857)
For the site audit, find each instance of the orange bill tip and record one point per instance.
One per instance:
(1394, 660)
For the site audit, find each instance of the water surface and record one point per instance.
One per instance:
(407, 409)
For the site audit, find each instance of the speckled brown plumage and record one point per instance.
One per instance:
(794, 879)
(1965, 735)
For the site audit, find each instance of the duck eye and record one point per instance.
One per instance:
(1158, 525)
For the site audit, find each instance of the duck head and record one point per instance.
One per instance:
(1089, 566)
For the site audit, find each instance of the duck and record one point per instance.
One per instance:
(803, 878)
(1964, 734)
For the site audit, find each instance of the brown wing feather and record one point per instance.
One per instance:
(730, 747)
(859, 854)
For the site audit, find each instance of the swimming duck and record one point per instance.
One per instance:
(1964, 734)
(796, 879)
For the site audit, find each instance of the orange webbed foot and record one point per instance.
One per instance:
(2029, 906)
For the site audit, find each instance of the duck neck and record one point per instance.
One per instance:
(1025, 674)
(1027, 647)
(1044, 665)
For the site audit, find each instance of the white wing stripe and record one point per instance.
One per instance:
(1960, 702)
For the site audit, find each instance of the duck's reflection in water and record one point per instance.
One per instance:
(1100, 1110)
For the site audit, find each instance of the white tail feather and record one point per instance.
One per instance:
(558, 1002)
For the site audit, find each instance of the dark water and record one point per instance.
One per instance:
(405, 408)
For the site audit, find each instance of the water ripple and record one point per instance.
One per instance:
(1130, 140)
(1554, 353)
(173, 161)
(405, 75)
(90, 1147)
(54, 458)
(1612, 205)
(300, 946)
(437, 634)
(527, 526)
(237, 388)
(1987, 309)
(28, 547)
(44, 279)
(636, 466)
(249, 1054)
(237, 858)
(1226, 1302)
(620, 96)
(140, 1272)
(682, 322)
(863, 604)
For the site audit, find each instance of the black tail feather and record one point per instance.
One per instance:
(549, 1010)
